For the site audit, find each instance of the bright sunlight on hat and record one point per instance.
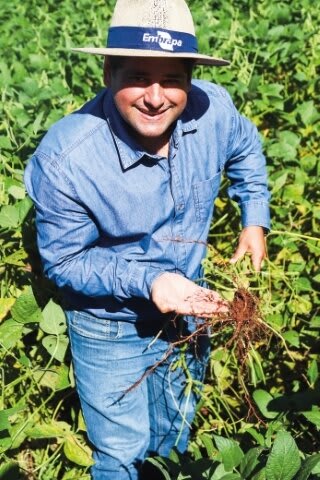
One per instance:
(153, 28)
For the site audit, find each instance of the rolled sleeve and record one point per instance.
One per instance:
(142, 279)
(255, 213)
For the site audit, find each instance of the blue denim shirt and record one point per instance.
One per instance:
(112, 217)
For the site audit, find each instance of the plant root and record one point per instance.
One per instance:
(244, 319)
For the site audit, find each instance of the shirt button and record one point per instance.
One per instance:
(180, 206)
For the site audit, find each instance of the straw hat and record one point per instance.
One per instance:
(153, 28)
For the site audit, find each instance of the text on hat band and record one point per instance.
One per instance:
(141, 38)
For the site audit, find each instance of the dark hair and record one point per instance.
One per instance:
(116, 62)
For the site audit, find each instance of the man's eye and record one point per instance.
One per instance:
(137, 79)
(172, 82)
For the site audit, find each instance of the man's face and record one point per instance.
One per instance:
(150, 94)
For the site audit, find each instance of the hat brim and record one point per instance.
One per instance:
(126, 52)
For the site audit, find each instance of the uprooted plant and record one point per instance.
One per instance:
(242, 322)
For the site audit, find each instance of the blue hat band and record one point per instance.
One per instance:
(141, 38)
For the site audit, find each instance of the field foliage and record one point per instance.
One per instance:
(257, 420)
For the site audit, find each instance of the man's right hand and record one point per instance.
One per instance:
(174, 293)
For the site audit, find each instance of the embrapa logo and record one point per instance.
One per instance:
(164, 39)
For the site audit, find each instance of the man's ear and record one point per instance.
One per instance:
(106, 71)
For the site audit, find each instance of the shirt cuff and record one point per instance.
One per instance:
(141, 280)
(255, 213)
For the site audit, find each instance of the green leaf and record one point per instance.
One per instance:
(9, 217)
(24, 207)
(276, 319)
(73, 474)
(308, 162)
(49, 430)
(289, 138)
(17, 192)
(4, 422)
(313, 416)
(315, 322)
(81, 422)
(308, 112)
(5, 443)
(261, 475)
(77, 452)
(293, 192)
(26, 308)
(208, 444)
(39, 61)
(262, 399)
(31, 87)
(6, 414)
(307, 466)
(250, 461)
(184, 476)
(219, 472)
(302, 284)
(5, 143)
(56, 346)
(10, 333)
(316, 470)
(161, 464)
(57, 378)
(54, 320)
(16, 258)
(37, 123)
(10, 471)
(279, 183)
(292, 337)
(5, 306)
(176, 456)
(258, 437)
(271, 89)
(230, 452)
(313, 372)
(282, 150)
(202, 468)
(284, 460)
(300, 304)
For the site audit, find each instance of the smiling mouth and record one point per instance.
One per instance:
(149, 113)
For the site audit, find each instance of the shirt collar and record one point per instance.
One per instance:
(129, 150)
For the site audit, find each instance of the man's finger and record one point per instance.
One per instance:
(239, 253)
(257, 262)
(208, 307)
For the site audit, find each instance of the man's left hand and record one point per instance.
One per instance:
(252, 240)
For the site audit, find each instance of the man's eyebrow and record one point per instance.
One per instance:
(133, 71)
(175, 75)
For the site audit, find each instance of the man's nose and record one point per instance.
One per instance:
(154, 95)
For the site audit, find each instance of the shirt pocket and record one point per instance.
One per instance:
(204, 194)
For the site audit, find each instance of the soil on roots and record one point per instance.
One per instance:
(245, 318)
(245, 321)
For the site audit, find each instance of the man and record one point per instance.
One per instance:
(124, 191)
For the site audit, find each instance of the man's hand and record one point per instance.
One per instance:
(252, 240)
(174, 293)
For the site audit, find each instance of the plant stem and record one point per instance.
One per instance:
(293, 234)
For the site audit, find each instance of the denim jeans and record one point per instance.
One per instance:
(126, 422)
